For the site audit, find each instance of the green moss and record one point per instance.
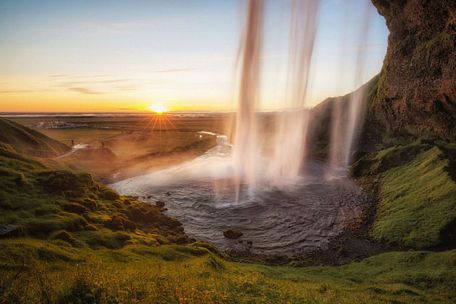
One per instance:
(417, 198)
(378, 92)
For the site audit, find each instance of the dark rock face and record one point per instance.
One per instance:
(416, 93)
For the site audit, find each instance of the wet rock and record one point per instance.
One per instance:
(232, 234)
(159, 204)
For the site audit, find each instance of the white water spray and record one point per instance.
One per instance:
(293, 123)
(348, 118)
(246, 153)
(289, 149)
(286, 160)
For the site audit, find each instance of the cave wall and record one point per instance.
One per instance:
(416, 90)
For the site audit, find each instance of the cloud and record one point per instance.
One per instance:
(126, 109)
(84, 91)
(22, 91)
(174, 70)
(58, 75)
(89, 82)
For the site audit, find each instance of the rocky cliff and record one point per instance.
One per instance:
(416, 92)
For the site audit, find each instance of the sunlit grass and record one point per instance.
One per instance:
(191, 274)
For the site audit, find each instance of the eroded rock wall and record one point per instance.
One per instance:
(416, 92)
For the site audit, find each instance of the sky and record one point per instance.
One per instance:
(124, 56)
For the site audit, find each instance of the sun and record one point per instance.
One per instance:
(158, 108)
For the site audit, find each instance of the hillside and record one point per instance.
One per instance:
(25, 140)
(57, 203)
(416, 194)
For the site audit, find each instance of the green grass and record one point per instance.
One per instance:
(417, 196)
(45, 203)
(36, 271)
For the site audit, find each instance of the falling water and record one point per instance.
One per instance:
(292, 124)
(287, 158)
(245, 146)
(348, 117)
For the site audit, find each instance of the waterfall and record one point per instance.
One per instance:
(348, 117)
(286, 159)
(246, 151)
(293, 123)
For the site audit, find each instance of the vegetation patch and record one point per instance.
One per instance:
(172, 274)
(417, 196)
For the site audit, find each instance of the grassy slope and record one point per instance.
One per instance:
(73, 208)
(417, 196)
(26, 140)
(193, 274)
(418, 200)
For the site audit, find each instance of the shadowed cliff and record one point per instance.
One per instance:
(416, 93)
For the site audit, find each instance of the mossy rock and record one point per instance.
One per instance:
(120, 223)
(65, 236)
(48, 224)
(108, 194)
(66, 183)
(89, 204)
(75, 208)
(115, 223)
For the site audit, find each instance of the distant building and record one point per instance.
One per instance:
(58, 124)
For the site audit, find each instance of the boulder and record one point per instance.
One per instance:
(232, 234)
